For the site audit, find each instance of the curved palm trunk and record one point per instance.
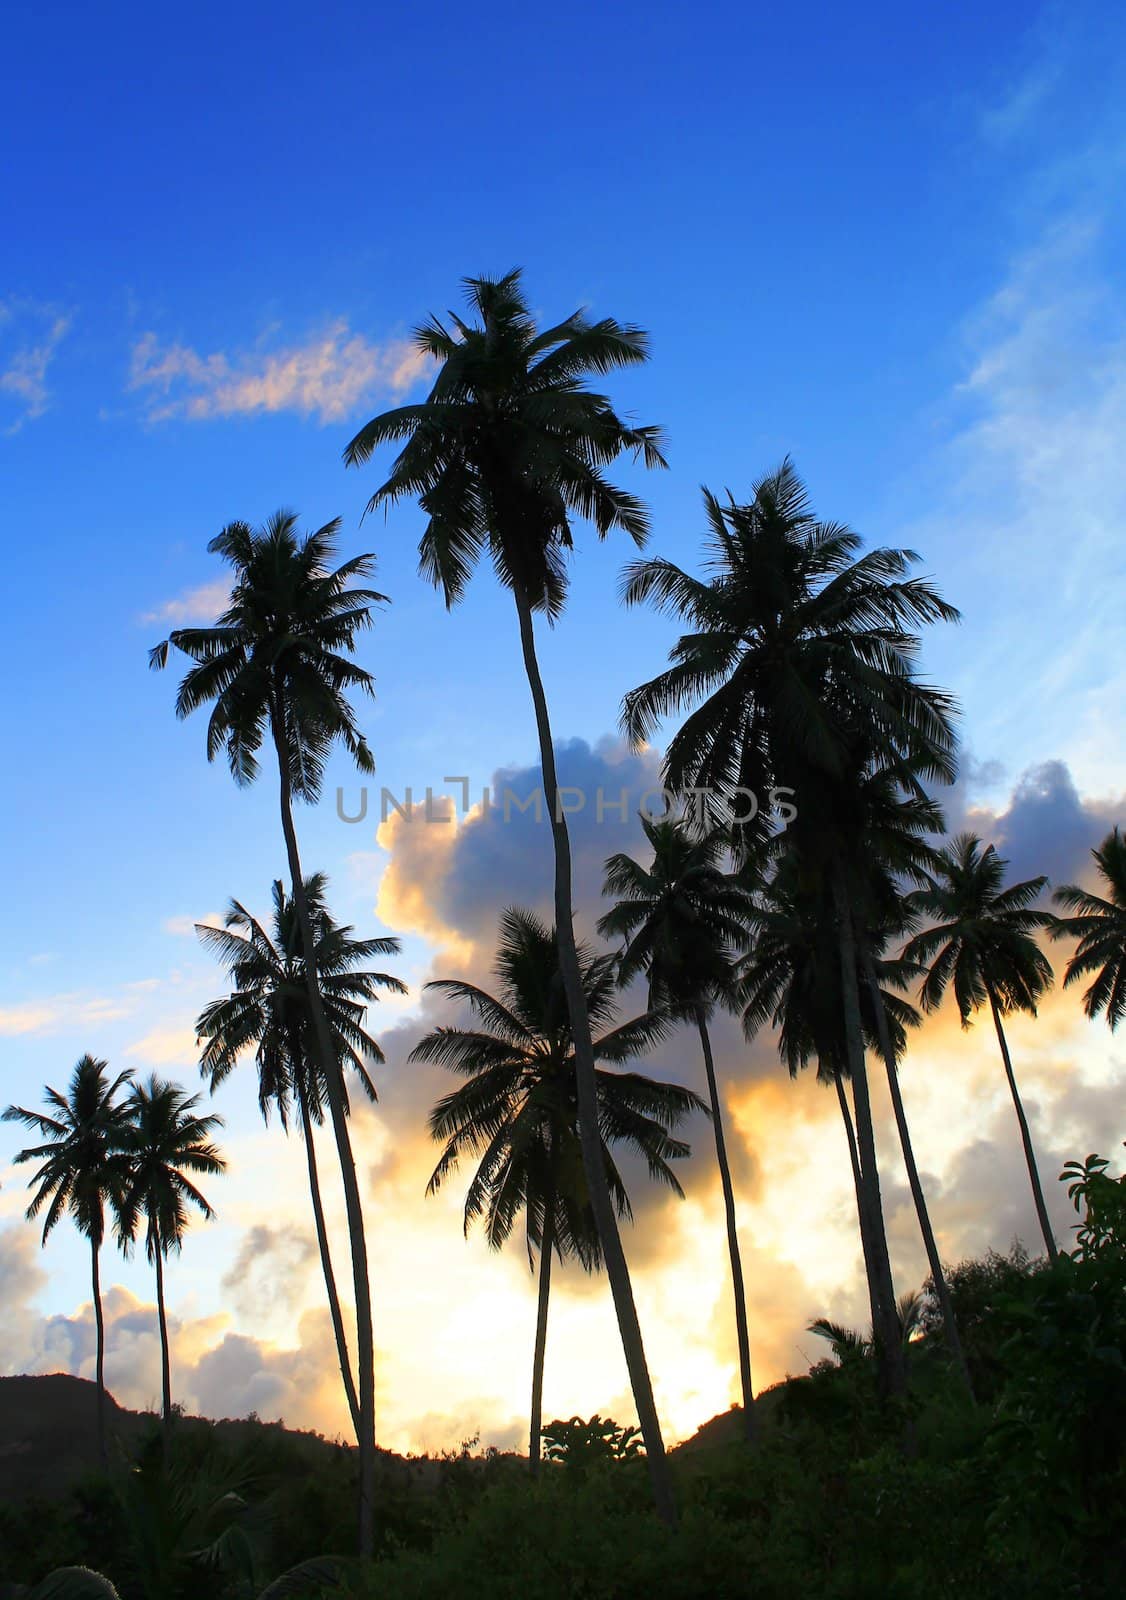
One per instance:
(885, 1324)
(1025, 1133)
(617, 1271)
(934, 1260)
(334, 1084)
(100, 1355)
(547, 1245)
(742, 1336)
(165, 1358)
(326, 1266)
(861, 1202)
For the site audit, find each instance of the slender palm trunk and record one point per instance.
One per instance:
(885, 1325)
(741, 1333)
(165, 1358)
(861, 1202)
(617, 1271)
(334, 1084)
(100, 1354)
(326, 1266)
(934, 1260)
(1025, 1132)
(547, 1246)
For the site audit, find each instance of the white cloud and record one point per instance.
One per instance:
(34, 334)
(326, 377)
(184, 927)
(200, 605)
(51, 1013)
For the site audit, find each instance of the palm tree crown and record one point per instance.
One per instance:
(1099, 923)
(796, 642)
(681, 919)
(273, 661)
(168, 1139)
(83, 1167)
(269, 1007)
(518, 1111)
(983, 938)
(510, 444)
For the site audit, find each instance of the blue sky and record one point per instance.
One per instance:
(889, 242)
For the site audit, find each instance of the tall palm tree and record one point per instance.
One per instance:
(269, 1011)
(681, 920)
(506, 449)
(277, 664)
(983, 942)
(798, 647)
(518, 1111)
(82, 1169)
(1099, 924)
(167, 1140)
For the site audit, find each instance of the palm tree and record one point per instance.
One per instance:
(681, 920)
(277, 664)
(798, 648)
(269, 1011)
(848, 1345)
(517, 1113)
(983, 943)
(1100, 927)
(167, 1139)
(82, 1170)
(509, 446)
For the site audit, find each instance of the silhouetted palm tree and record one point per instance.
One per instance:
(507, 448)
(983, 944)
(277, 665)
(167, 1139)
(799, 649)
(269, 1011)
(82, 1169)
(1099, 924)
(517, 1113)
(681, 920)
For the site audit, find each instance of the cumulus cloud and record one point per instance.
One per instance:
(1043, 828)
(326, 377)
(271, 1271)
(30, 335)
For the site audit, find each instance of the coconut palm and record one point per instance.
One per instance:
(268, 1011)
(1099, 924)
(681, 920)
(507, 448)
(517, 1113)
(799, 649)
(167, 1139)
(83, 1169)
(277, 665)
(982, 942)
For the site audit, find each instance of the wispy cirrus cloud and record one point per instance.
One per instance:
(325, 377)
(53, 1013)
(30, 334)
